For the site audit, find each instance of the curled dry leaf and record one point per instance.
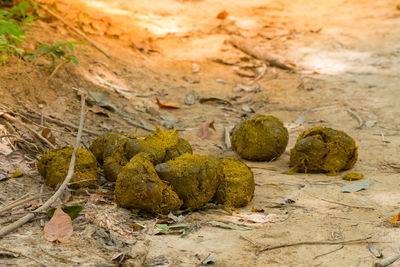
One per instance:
(203, 132)
(167, 105)
(395, 218)
(59, 228)
(48, 134)
(222, 15)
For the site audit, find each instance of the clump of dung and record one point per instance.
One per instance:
(109, 150)
(114, 150)
(260, 138)
(139, 187)
(161, 145)
(194, 178)
(237, 185)
(53, 166)
(324, 150)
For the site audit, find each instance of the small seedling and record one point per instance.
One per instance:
(61, 50)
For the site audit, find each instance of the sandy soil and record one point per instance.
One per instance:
(348, 57)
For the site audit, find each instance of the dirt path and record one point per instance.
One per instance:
(349, 56)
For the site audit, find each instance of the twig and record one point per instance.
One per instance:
(20, 139)
(57, 68)
(345, 205)
(329, 252)
(267, 248)
(61, 123)
(228, 143)
(262, 73)
(357, 117)
(387, 262)
(254, 243)
(56, 195)
(74, 29)
(38, 135)
(257, 52)
(18, 202)
(26, 256)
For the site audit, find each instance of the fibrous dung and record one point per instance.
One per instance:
(194, 178)
(260, 138)
(237, 184)
(53, 166)
(324, 150)
(139, 187)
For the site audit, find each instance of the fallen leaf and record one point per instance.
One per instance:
(167, 105)
(175, 229)
(208, 261)
(203, 132)
(355, 187)
(222, 15)
(191, 98)
(395, 218)
(73, 211)
(48, 134)
(260, 217)
(228, 226)
(59, 228)
(99, 111)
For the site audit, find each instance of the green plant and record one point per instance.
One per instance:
(11, 32)
(61, 50)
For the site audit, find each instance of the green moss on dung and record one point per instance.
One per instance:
(324, 150)
(53, 166)
(194, 178)
(139, 187)
(260, 138)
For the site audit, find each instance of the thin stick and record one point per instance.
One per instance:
(61, 189)
(61, 123)
(18, 202)
(228, 143)
(314, 243)
(387, 262)
(74, 29)
(38, 135)
(262, 73)
(260, 53)
(345, 205)
(26, 256)
(57, 68)
(357, 117)
(329, 252)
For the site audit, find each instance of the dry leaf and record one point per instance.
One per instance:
(395, 218)
(222, 15)
(47, 133)
(203, 132)
(59, 228)
(167, 105)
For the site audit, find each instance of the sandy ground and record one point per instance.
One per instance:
(348, 57)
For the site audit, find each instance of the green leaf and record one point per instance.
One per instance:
(76, 62)
(73, 211)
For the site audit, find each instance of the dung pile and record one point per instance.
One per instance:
(237, 184)
(324, 150)
(260, 138)
(139, 187)
(114, 150)
(194, 178)
(53, 166)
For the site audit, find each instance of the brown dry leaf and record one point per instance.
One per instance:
(167, 105)
(59, 228)
(99, 111)
(222, 15)
(203, 132)
(395, 218)
(47, 133)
